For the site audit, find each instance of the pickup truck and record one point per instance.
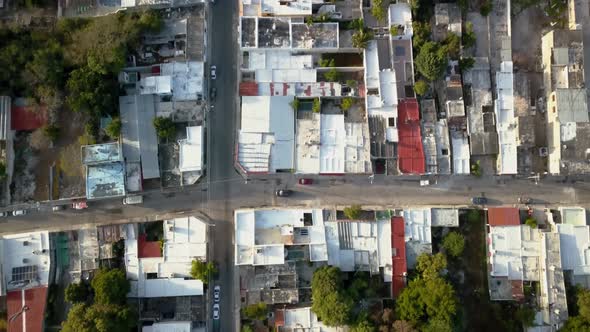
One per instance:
(81, 205)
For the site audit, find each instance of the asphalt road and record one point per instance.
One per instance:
(223, 52)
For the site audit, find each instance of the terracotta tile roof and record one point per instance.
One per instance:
(34, 299)
(410, 149)
(148, 249)
(504, 216)
(27, 118)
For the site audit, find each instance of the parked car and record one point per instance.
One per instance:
(284, 192)
(216, 311)
(19, 213)
(58, 208)
(3, 214)
(305, 181)
(212, 94)
(134, 199)
(216, 293)
(479, 200)
(79, 205)
(213, 72)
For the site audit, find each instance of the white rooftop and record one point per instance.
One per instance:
(360, 246)
(278, 59)
(418, 225)
(282, 8)
(26, 259)
(461, 155)
(187, 79)
(400, 14)
(261, 235)
(155, 85)
(304, 319)
(101, 153)
(514, 252)
(333, 144)
(185, 239)
(506, 123)
(191, 150)
(385, 102)
(573, 215)
(575, 248)
(169, 327)
(267, 135)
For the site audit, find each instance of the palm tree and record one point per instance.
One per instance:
(360, 39)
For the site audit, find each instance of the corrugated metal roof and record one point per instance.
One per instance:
(32, 319)
(4, 117)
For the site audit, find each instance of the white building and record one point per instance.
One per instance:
(181, 80)
(267, 134)
(191, 152)
(301, 319)
(506, 122)
(262, 236)
(166, 273)
(360, 246)
(515, 252)
(174, 326)
(26, 259)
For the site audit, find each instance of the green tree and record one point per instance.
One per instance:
(377, 10)
(256, 311)
(52, 132)
(363, 325)
(3, 173)
(347, 103)
(203, 270)
(99, 318)
(421, 87)
(474, 216)
(531, 222)
(394, 30)
(476, 169)
(452, 46)
(316, 107)
(294, 104)
(151, 21)
(353, 212)
(76, 292)
(356, 24)
(352, 83)
(454, 244)
(466, 64)
(409, 305)
(165, 127)
(430, 266)
(332, 75)
(90, 91)
(437, 325)
(468, 36)
(110, 287)
(247, 328)
(330, 304)
(525, 315)
(114, 128)
(431, 61)
(360, 39)
(421, 34)
(485, 8)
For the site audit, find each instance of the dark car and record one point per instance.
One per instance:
(479, 200)
(212, 94)
(305, 181)
(284, 192)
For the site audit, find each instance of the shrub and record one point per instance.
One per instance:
(347, 103)
(486, 8)
(454, 244)
(76, 293)
(164, 127)
(421, 87)
(353, 212)
(52, 132)
(316, 108)
(295, 104)
(114, 128)
(332, 75)
(466, 64)
(468, 37)
(531, 222)
(431, 61)
(255, 311)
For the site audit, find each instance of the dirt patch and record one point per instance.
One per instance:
(23, 184)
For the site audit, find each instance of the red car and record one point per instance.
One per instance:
(305, 181)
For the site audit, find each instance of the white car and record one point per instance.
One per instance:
(213, 72)
(19, 213)
(216, 311)
(216, 293)
(58, 208)
(3, 214)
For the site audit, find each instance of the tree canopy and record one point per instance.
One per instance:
(76, 292)
(110, 286)
(202, 270)
(330, 303)
(99, 318)
(428, 300)
(114, 128)
(256, 311)
(421, 87)
(164, 127)
(454, 244)
(431, 61)
(353, 212)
